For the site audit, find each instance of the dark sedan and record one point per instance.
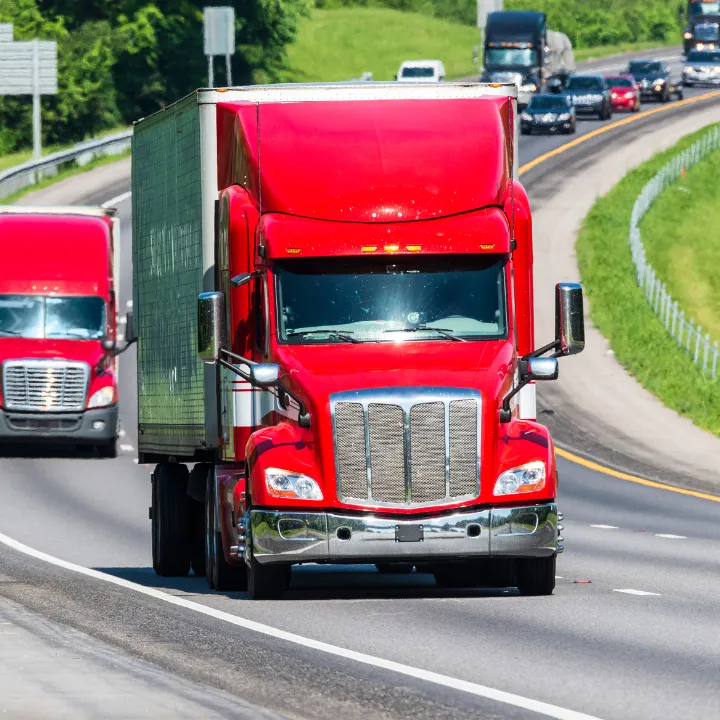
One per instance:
(548, 113)
(589, 95)
(654, 80)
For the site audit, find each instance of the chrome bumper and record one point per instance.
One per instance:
(311, 537)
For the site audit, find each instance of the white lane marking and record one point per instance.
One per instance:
(629, 591)
(128, 304)
(670, 536)
(126, 448)
(558, 577)
(136, 461)
(117, 200)
(489, 693)
(606, 527)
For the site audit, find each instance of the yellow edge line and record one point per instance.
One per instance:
(632, 478)
(607, 128)
(567, 146)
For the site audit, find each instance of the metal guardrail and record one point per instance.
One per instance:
(30, 173)
(687, 333)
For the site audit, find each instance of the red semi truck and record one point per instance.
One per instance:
(334, 302)
(58, 326)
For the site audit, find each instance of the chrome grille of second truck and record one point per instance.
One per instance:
(44, 385)
(407, 446)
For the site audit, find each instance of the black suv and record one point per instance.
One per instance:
(589, 95)
(654, 80)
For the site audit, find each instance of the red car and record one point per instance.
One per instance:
(624, 92)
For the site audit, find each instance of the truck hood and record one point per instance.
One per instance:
(88, 351)
(318, 371)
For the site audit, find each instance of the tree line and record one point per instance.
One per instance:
(119, 60)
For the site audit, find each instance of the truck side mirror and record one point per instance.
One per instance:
(211, 325)
(130, 334)
(569, 319)
(542, 369)
(264, 374)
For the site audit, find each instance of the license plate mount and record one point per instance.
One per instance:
(409, 533)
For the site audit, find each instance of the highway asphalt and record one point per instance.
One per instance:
(630, 634)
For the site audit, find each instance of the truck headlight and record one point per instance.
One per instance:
(687, 35)
(102, 398)
(523, 479)
(287, 484)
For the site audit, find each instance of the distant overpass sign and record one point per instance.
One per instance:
(484, 7)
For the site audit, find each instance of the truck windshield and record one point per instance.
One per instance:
(418, 72)
(391, 299)
(38, 316)
(704, 8)
(511, 56)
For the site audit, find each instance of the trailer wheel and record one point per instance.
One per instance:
(267, 582)
(170, 536)
(107, 451)
(536, 576)
(399, 568)
(456, 575)
(196, 534)
(220, 576)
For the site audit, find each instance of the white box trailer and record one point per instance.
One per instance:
(174, 198)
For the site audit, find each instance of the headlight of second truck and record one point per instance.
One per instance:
(287, 484)
(523, 479)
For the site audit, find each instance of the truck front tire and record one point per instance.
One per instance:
(170, 520)
(107, 451)
(267, 582)
(536, 576)
(220, 576)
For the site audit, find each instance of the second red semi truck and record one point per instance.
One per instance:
(333, 290)
(58, 375)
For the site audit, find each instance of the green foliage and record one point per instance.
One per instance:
(124, 59)
(342, 43)
(620, 311)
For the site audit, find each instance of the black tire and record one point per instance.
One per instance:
(498, 573)
(220, 576)
(107, 450)
(399, 568)
(170, 523)
(536, 576)
(456, 575)
(267, 582)
(196, 532)
(666, 97)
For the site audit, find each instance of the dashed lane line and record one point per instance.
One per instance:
(483, 691)
(117, 200)
(670, 536)
(606, 527)
(629, 591)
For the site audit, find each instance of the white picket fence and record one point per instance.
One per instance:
(686, 332)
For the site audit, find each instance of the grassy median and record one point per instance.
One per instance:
(618, 307)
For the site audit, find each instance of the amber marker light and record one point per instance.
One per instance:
(292, 251)
(368, 248)
(392, 248)
(487, 247)
(413, 248)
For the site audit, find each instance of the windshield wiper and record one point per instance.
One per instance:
(69, 334)
(445, 332)
(11, 333)
(344, 335)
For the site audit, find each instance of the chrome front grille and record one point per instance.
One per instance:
(45, 385)
(407, 446)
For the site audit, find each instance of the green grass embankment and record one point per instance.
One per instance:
(617, 305)
(682, 242)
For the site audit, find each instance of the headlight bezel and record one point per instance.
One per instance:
(520, 480)
(289, 489)
(102, 398)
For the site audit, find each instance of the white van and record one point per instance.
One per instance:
(417, 71)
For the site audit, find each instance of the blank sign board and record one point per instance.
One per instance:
(484, 7)
(219, 31)
(16, 67)
(6, 32)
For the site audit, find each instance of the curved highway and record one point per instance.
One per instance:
(630, 633)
